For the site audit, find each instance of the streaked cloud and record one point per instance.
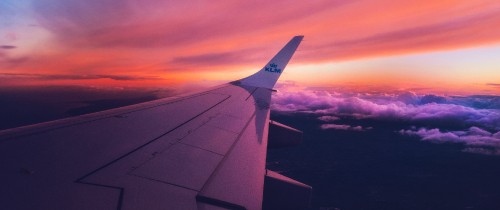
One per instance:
(7, 47)
(216, 59)
(420, 37)
(73, 77)
(163, 38)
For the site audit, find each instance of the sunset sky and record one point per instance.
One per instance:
(448, 46)
(398, 100)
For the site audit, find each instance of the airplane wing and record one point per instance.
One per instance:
(201, 151)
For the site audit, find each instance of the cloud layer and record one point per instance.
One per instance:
(476, 139)
(468, 120)
(403, 106)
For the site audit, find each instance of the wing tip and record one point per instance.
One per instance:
(268, 76)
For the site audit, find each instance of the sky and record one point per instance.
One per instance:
(444, 47)
(407, 70)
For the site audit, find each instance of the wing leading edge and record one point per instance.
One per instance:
(202, 151)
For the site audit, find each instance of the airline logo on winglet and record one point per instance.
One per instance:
(273, 68)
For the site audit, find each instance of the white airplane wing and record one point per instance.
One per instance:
(202, 151)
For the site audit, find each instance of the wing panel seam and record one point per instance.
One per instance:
(228, 152)
(122, 190)
(253, 91)
(97, 118)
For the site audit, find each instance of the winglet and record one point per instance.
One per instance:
(267, 76)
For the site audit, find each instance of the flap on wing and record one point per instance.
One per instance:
(281, 136)
(281, 192)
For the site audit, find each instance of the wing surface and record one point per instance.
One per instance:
(202, 151)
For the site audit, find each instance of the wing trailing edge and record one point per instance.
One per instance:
(270, 73)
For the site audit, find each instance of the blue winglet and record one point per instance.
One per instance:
(267, 76)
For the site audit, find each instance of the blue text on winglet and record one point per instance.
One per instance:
(273, 68)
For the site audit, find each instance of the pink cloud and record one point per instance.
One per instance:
(384, 107)
(421, 36)
(335, 126)
(476, 139)
(138, 24)
(219, 33)
(477, 128)
(496, 85)
(176, 40)
(328, 118)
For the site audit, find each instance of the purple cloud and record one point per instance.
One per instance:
(233, 57)
(412, 37)
(73, 77)
(139, 24)
(476, 139)
(387, 107)
(335, 126)
(344, 127)
(472, 120)
(328, 118)
(7, 47)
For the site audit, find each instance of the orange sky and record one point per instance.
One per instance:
(443, 45)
